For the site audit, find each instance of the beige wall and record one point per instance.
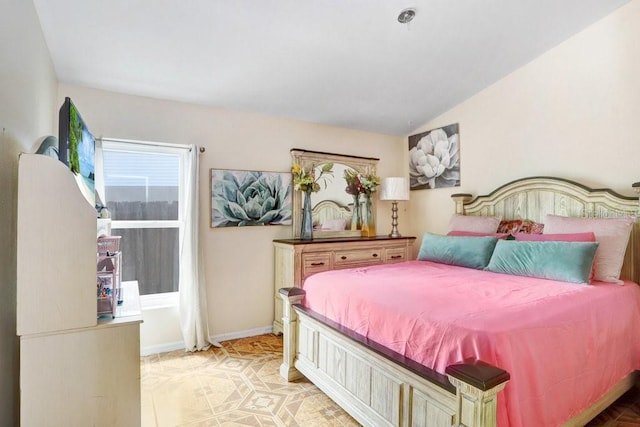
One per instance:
(573, 112)
(27, 95)
(239, 262)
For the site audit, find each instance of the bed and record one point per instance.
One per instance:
(392, 384)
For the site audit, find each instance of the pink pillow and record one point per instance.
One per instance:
(502, 236)
(562, 237)
(476, 224)
(612, 234)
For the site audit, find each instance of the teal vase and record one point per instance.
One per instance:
(369, 220)
(306, 232)
(356, 217)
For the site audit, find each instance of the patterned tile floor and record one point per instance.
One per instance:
(239, 385)
(236, 385)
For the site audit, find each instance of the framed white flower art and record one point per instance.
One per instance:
(434, 158)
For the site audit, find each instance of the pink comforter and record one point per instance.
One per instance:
(564, 344)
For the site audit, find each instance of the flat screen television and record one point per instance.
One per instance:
(77, 148)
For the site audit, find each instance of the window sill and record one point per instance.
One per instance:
(156, 301)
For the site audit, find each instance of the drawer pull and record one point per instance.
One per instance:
(343, 257)
(375, 255)
(315, 264)
(396, 256)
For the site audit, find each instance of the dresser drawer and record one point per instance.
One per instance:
(356, 257)
(395, 255)
(315, 263)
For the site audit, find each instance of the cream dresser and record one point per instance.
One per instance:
(296, 259)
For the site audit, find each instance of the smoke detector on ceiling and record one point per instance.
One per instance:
(406, 15)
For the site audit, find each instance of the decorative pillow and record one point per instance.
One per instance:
(510, 226)
(477, 224)
(464, 251)
(531, 227)
(564, 261)
(562, 237)
(473, 233)
(611, 233)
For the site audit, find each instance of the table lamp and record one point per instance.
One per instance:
(394, 189)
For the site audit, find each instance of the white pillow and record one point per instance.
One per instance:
(476, 224)
(334, 224)
(612, 234)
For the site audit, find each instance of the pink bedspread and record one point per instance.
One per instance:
(564, 344)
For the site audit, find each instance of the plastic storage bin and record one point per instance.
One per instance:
(106, 293)
(108, 244)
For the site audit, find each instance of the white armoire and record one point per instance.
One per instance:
(75, 370)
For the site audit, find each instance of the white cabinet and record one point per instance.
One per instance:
(74, 369)
(86, 376)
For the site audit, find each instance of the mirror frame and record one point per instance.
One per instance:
(306, 158)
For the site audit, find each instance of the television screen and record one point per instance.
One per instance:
(77, 148)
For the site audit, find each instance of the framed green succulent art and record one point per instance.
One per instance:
(243, 198)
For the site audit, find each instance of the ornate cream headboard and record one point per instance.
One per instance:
(533, 198)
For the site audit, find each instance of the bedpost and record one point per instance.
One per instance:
(460, 199)
(477, 385)
(289, 297)
(634, 242)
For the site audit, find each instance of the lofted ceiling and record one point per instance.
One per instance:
(346, 63)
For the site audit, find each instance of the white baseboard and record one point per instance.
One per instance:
(178, 345)
(242, 334)
(161, 348)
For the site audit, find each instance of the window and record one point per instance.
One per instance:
(143, 190)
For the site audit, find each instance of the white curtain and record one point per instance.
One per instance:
(193, 292)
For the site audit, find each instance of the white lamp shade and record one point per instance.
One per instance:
(394, 188)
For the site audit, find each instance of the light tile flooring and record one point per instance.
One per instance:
(239, 385)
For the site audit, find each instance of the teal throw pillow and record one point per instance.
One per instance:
(464, 251)
(563, 261)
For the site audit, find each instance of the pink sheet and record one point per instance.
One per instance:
(564, 344)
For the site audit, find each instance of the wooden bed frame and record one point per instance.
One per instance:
(379, 387)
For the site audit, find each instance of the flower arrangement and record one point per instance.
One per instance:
(370, 183)
(360, 184)
(354, 185)
(305, 179)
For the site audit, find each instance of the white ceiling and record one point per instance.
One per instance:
(341, 62)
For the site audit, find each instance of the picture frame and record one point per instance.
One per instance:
(434, 158)
(241, 198)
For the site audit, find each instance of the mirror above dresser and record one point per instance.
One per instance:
(332, 206)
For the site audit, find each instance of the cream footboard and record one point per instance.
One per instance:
(377, 386)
